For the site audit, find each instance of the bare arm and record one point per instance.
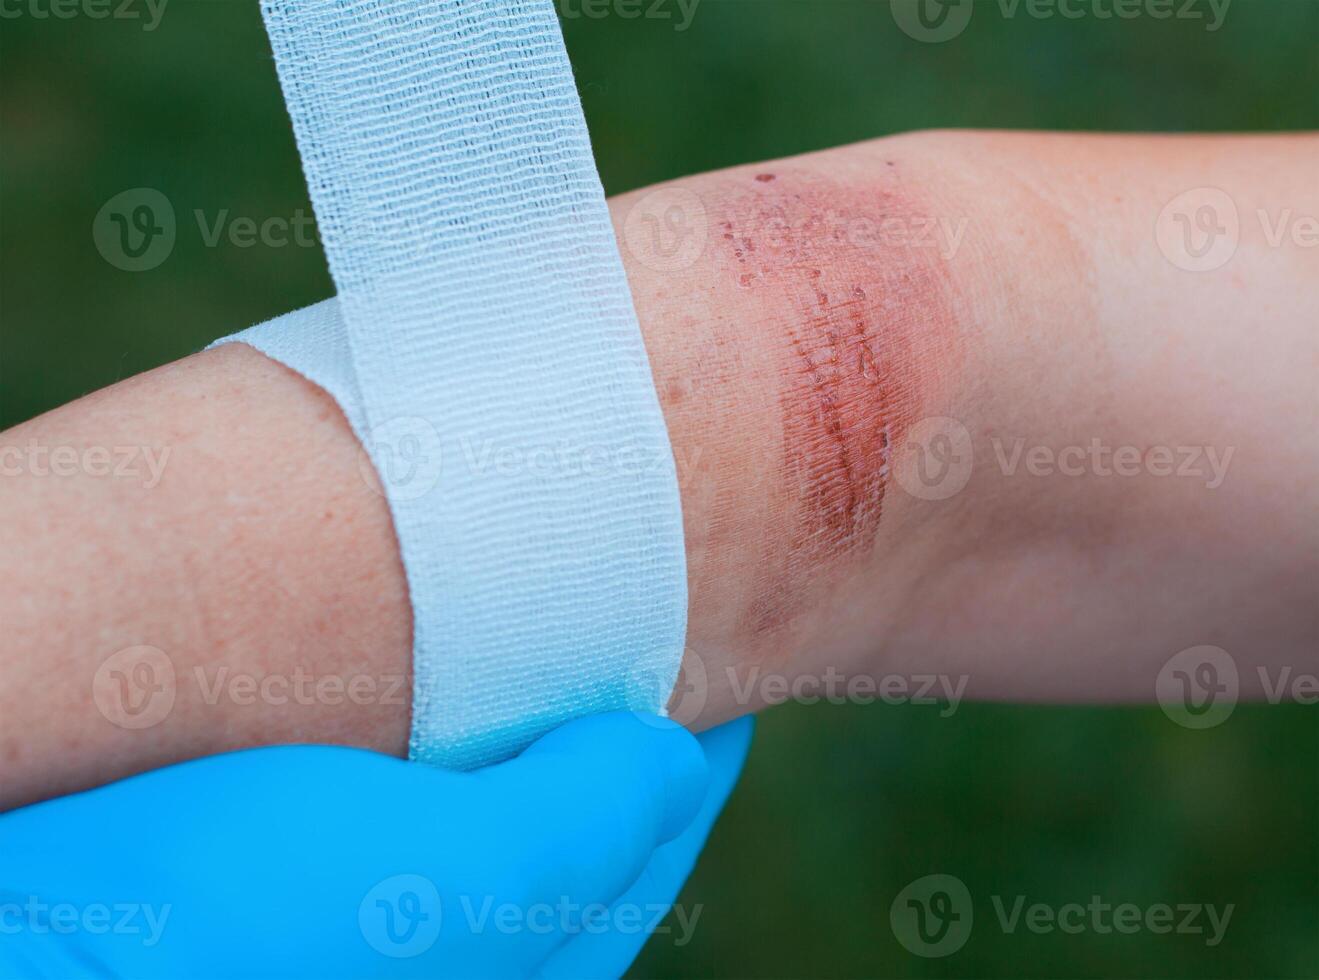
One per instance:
(933, 401)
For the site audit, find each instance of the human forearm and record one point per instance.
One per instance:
(254, 549)
(1040, 317)
(1011, 283)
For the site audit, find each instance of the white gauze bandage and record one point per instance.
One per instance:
(484, 347)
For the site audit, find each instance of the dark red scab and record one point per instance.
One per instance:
(764, 178)
(836, 416)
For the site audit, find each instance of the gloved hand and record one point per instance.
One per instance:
(318, 861)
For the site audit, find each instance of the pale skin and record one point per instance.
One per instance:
(1143, 474)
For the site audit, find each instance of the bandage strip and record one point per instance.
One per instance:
(503, 390)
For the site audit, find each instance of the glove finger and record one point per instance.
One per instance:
(602, 793)
(635, 915)
(530, 850)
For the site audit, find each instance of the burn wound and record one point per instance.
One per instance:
(852, 279)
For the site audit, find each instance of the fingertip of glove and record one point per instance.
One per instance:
(662, 752)
(686, 781)
(732, 737)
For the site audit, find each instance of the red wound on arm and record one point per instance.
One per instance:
(855, 278)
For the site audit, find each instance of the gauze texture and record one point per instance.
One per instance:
(484, 346)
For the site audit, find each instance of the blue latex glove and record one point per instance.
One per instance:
(317, 861)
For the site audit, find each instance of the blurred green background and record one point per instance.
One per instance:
(841, 807)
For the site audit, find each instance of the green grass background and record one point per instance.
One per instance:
(840, 807)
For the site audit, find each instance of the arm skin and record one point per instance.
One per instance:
(815, 324)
